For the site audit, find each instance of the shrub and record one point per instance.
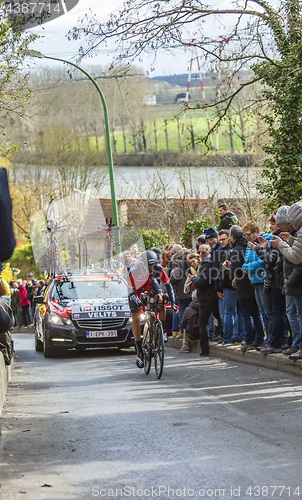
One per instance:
(23, 259)
(194, 228)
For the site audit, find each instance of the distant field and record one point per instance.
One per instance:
(167, 110)
(167, 118)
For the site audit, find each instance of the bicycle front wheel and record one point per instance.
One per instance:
(159, 349)
(146, 347)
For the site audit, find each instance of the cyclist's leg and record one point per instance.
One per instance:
(136, 327)
(136, 330)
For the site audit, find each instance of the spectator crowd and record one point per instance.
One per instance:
(20, 296)
(241, 286)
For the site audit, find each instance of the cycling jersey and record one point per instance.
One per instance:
(160, 273)
(137, 281)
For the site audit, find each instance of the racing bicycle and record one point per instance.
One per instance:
(51, 262)
(153, 336)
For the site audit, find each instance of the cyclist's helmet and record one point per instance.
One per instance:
(158, 253)
(148, 260)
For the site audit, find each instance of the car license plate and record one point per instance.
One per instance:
(94, 335)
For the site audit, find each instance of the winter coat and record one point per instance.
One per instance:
(244, 287)
(178, 273)
(225, 280)
(216, 259)
(253, 265)
(293, 249)
(186, 323)
(227, 220)
(22, 292)
(270, 256)
(204, 283)
(188, 286)
(293, 284)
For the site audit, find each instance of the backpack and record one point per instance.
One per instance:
(192, 328)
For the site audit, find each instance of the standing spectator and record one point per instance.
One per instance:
(46, 281)
(30, 296)
(252, 319)
(216, 248)
(30, 277)
(134, 250)
(193, 261)
(206, 295)
(291, 289)
(25, 303)
(178, 273)
(289, 246)
(15, 300)
(227, 218)
(201, 240)
(233, 330)
(5, 290)
(223, 236)
(255, 267)
(272, 285)
(18, 302)
(41, 286)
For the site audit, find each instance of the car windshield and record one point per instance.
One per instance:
(102, 289)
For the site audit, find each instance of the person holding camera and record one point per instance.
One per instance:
(272, 275)
(255, 267)
(291, 286)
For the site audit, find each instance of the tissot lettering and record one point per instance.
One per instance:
(107, 307)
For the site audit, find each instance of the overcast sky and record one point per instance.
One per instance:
(53, 41)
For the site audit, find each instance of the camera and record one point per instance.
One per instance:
(267, 283)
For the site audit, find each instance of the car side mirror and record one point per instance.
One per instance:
(39, 299)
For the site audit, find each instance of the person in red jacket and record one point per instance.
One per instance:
(25, 303)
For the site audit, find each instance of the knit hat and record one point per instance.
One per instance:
(210, 232)
(294, 214)
(281, 215)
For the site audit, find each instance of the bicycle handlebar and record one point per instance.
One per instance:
(150, 305)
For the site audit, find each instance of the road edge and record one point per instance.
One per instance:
(278, 362)
(5, 374)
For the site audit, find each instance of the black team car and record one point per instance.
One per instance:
(83, 311)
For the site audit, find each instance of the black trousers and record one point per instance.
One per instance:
(26, 316)
(205, 313)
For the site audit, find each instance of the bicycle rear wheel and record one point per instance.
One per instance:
(159, 349)
(146, 347)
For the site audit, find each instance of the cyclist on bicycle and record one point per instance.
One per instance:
(140, 277)
(161, 276)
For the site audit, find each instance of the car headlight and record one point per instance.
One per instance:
(67, 321)
(55, 319)
(142, 317)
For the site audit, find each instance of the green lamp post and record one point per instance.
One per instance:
(34, 53)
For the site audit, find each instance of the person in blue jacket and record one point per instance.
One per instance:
(255, 268)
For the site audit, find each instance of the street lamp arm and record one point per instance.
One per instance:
(34, 53)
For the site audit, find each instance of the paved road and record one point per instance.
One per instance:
(91, 425)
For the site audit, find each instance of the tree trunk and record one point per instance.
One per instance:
(231, 134)
(166, 132)
(155, 136)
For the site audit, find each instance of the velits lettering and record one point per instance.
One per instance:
(102, 314)
(105, 307)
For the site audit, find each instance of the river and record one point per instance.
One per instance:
(170, 182)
